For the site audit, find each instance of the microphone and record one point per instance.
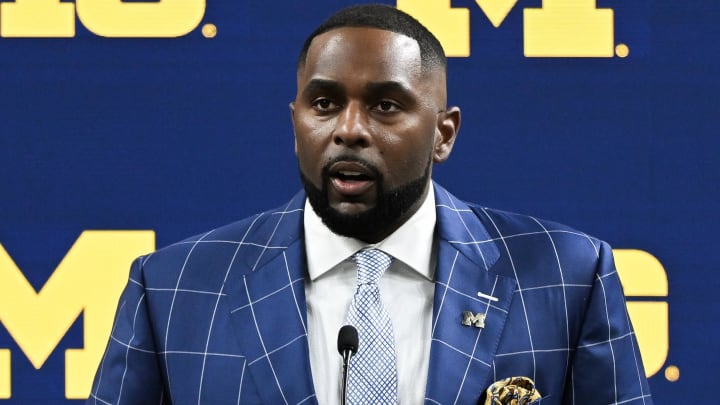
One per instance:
(347, 346)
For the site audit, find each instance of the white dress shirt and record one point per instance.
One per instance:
(406, 290)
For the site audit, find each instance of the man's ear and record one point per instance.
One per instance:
(292, 119)
(448, 125)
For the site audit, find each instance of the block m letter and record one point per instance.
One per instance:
(89, 279)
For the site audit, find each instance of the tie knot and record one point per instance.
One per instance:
(371, 264)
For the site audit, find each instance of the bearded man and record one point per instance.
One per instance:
(453, 302)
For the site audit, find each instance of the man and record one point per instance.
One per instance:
(249, 313)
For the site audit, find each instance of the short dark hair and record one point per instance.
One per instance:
(386, 18)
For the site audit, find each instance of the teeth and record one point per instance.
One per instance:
(347, 173)
(351, 175)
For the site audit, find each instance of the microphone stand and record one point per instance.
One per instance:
(346, 354)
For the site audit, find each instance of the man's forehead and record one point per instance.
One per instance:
(363, 55)
(364, 47)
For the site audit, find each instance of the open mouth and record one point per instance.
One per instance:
(351, 178)
(348, 176)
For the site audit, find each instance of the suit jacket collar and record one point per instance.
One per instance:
(460, 226)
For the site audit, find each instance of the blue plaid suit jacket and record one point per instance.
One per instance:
(221, 318)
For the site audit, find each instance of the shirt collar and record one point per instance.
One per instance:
(412, 243)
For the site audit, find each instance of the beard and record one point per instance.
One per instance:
(391, 208)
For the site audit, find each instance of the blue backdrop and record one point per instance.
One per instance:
(179, 135)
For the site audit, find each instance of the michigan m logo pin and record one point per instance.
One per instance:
(472, 319)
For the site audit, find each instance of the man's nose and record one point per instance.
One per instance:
(353, 128)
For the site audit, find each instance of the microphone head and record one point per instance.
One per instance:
(348, 339)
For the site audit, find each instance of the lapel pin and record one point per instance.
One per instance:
(472, 319)
(487, 297)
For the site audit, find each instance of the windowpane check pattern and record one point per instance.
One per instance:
(372, 376)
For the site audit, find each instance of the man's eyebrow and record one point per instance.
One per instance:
(387, 87)
(374, 89)
(321, 85)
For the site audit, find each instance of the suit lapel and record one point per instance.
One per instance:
(461, 356)
(269, 313)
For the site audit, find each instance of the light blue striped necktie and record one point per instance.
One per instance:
(372, 376)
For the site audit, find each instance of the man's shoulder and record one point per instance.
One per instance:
(498, 223)
(503, 226)
(534, 250)
(266, 231)
(470, 223)
(513, 224)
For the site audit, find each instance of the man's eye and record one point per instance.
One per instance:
(324, 104)
(386, 106)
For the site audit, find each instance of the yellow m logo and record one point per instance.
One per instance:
(561, 28)
(89, 279)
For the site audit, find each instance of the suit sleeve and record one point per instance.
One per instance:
(607, 368)
(129, 370)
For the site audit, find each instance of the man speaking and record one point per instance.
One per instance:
(451, 302)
